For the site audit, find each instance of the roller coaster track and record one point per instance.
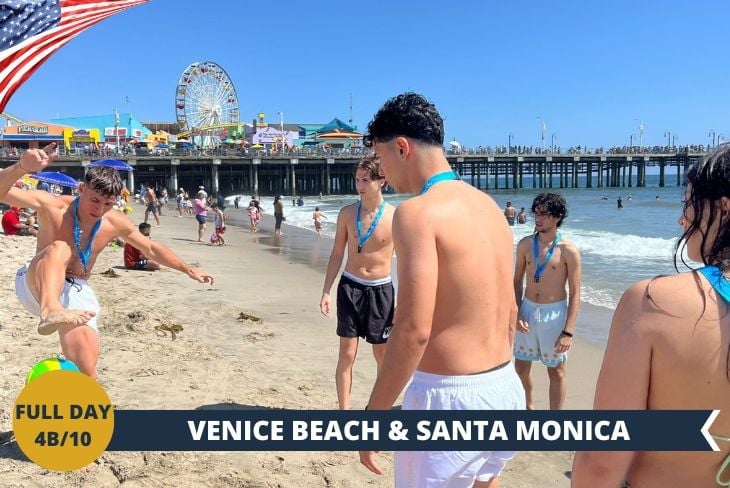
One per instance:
(10, 117)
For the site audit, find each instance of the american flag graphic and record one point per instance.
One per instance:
(32, 30)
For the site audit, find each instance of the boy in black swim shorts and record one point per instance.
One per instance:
(365, 293)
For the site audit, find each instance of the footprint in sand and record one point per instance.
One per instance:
(258, 336)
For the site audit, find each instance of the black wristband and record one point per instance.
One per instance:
(566, 333)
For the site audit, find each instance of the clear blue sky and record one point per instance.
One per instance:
(591, 69)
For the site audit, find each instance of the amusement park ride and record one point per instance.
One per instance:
(206, 104)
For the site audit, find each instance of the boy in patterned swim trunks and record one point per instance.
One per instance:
(547, 315)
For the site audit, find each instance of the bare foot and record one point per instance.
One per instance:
(51, 322)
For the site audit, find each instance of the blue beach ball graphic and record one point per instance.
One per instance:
(50, 364)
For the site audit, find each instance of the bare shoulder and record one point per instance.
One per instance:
(408, 209)
(657, 303)
(568, 246)
(119, 220)
(525, 241)
(347, 213)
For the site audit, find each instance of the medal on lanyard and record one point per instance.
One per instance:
(539, 268)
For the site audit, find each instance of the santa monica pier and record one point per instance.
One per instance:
(209, 145)
(308, 159)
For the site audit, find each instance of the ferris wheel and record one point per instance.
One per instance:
(206, 102)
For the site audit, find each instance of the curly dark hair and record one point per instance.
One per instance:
(710, 181)
(105, 181)
(552, 203)
(408, 115)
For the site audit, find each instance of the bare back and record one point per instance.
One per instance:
(474, 310)
(681, 363)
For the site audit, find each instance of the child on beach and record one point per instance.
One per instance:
(219, 219)
(254, 215)
(364, 229)
(317, 216)
(669, 346)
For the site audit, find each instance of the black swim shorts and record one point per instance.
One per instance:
(365, 310)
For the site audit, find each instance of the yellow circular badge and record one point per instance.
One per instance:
(63, 420)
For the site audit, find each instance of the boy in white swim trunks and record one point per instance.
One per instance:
(546, 321)
(452, 331)
(73, 231)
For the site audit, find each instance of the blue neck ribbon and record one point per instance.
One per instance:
(718, 281)
(84, 254)
(360, 238)
(438, 178)
(539, 268)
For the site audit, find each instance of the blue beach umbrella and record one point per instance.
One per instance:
(56, 178)
(112, 163)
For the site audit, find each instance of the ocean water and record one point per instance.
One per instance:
(618, 246)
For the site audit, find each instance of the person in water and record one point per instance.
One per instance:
(671, 336)
(510, 213)
(72, 233)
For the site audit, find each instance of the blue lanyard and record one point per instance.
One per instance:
(438, 178)
(360, 238)
(86, 253)
(539, 268)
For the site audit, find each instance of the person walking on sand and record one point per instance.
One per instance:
(547, 315)
(365, 292)
(72, 233)
(278, 215)
(254, 215)
(219, 218)
(153, 204)
(317, 216)
(669, 346)
(452, 332)
(200, 207)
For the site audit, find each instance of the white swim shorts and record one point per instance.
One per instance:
(500, 389)
(546, 321)
(76, 295)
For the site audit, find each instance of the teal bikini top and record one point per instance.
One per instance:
(719, 281)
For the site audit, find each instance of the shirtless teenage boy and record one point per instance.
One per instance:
(456, 311)
(365, 293)
(547, 316)
(73, 231)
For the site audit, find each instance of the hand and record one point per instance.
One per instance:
(522, 325)
(34, 160)
(367, 459)
(325, 304)
(200, 275)
(563, 343)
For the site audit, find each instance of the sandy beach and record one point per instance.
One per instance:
(221, 360)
